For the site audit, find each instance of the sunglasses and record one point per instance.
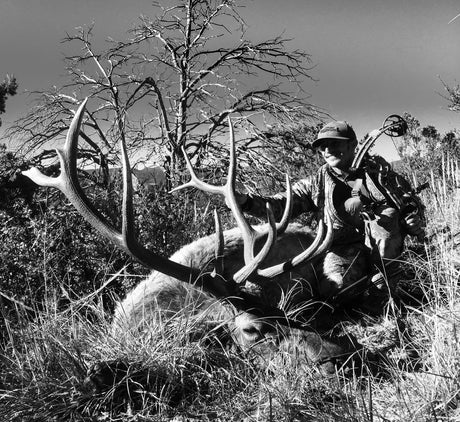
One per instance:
(330, 144)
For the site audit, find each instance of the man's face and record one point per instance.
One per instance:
(338, 153)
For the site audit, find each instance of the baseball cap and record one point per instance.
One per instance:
(335, 130)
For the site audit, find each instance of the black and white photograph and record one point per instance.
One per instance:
(223, 210)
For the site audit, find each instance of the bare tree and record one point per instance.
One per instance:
(452, 96)
(277, 149)
(170, 85)
(8, 87)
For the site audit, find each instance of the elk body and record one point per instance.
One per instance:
(160, 291)
(233, 273)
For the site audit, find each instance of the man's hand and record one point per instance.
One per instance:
(414, 226)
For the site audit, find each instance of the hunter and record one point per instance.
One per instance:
(369, 229)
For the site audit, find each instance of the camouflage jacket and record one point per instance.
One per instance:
(375, 183)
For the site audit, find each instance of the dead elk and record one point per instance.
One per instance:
(244, 272)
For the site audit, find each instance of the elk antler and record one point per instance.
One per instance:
(250, 235)
(67, 182)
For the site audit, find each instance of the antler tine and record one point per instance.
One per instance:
(299, 260)
(320, 244)
(252, 266)
(282, 225)
(127, 204)
(219, 249)
(195, 181)
(248, 233)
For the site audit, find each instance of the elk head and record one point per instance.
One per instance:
(212, 283)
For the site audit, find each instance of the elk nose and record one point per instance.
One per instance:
(248, 329)
(251, 330)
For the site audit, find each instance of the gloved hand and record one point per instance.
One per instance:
(413, 225)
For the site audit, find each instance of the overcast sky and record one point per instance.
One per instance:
(372, 58)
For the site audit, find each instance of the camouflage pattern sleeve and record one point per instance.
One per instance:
(302, 201)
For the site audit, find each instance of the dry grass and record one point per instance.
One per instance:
(177, 373)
